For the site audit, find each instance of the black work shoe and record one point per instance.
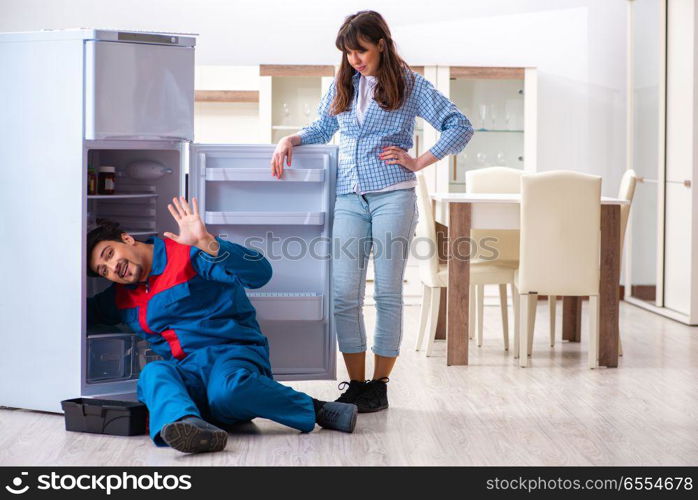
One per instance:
(374, 397)
(355, 388)
(194, 435)
(337, 416)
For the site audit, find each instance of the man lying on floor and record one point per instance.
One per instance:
(186, 296)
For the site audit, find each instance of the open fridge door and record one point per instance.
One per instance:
(290, 221)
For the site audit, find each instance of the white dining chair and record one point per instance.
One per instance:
(559, 248)
(434, 275)
(625, 192)
(504, 242)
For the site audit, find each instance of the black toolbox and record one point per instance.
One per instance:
(104, 416)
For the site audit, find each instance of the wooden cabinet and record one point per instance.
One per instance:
(289, 97)
(257, 104)
(226, 107)
(501, 104)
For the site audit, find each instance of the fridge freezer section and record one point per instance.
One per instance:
(138, 91)
(289, 220)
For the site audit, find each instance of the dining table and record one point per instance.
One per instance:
(458, 213)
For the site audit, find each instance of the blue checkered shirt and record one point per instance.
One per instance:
(360, 169)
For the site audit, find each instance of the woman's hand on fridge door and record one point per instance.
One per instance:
(192, 230)
(283, 152)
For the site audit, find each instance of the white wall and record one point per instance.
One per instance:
(578, 46)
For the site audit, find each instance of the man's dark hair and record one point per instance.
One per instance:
(106, 230)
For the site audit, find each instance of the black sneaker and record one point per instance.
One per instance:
(194, 435)
(337, 416)
(355, 388)
(374, 397)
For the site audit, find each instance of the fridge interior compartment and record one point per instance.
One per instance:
(122, 196)
(254, 156)
(138, 205)
(120, 329)
(299, 255)
(129, 209)
(144, 355)
(270, 194)
(136, 223)
(118, 355)
(287, 306)
(238, 178)
(284, 339)
(110, 357)
(264, 174)
(243, 217)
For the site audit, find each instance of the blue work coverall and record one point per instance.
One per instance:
(195, 314)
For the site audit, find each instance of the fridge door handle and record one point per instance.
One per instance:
(201, 191)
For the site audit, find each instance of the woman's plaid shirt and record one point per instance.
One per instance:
(360, 169)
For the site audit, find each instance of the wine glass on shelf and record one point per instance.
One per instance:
(287, 113)
(507, 120)
(501, 159)
(463, 159)
(481, 158)
(483, 115)
(306, 112)
(462, 167)
(493, 118)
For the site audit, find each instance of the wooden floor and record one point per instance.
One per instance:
(556, 412)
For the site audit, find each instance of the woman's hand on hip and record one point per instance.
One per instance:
(283, 152)
(398, 156)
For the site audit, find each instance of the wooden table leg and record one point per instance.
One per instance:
(441, 321)
(609, 314)
(571, 318)
(458, 284)
(442, 250)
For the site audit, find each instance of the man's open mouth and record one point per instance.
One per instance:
(123, 269)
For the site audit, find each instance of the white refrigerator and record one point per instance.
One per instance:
(73, 99)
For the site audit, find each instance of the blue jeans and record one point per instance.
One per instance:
(384, 223)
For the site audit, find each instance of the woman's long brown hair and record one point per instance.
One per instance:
(393, 81)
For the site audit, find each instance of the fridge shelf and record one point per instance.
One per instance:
(264, 174)
(287, 306)
(141, 233)
(505, 130)
(239, 217)
(120, 196)
(288, 127)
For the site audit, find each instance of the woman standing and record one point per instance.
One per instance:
(373, 102)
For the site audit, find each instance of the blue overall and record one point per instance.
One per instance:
(195, 314)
